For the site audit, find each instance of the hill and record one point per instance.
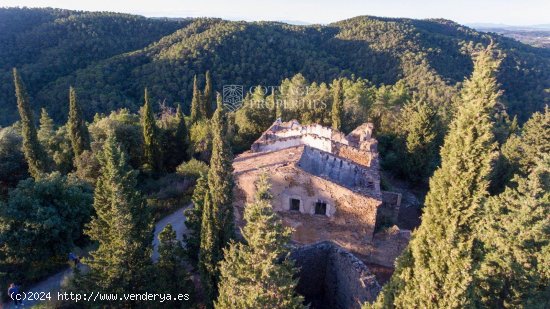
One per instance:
(111, 64)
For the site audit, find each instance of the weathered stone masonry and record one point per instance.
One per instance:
(325, 185)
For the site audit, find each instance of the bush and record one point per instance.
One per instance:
(192, 169)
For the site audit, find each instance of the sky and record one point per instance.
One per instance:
(509, 12)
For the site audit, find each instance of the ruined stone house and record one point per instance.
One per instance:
(325, 185)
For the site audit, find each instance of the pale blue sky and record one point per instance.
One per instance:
(512, 12)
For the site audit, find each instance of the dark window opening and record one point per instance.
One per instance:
(321, 208)
(294, 204)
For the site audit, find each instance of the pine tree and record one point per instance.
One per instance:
(196, 114)
(436, 270)
(252, 274)
(37, 159)
(337, 105)
(171, 275)
(217, 220)
(151, 138)
(78, 131)
(419, 126)
(122, 227)
(194, 220)
(514, 271)
(207, 97)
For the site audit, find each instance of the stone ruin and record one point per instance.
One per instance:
(333, 278)
(326, 186)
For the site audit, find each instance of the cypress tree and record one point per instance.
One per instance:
(217, 220)
(122, 227)
(78, 131)
(181, 136)
(194, 220)
(220, 174)
(514, 271)
(207, 97)
(252, 274)
(196, 103)
(151, 147)
(337, 105)
(37, 159)
(210, 252)
(436, 270)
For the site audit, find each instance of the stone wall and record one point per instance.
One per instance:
(340, 170)
(351, 216)
(333, 278)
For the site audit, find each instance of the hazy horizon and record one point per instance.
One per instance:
(470, 12)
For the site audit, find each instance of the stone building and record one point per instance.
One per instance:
(325, 185)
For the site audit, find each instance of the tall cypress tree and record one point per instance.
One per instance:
(151, 138)
(217, 220)
(196, 111)
(252, 274)
(207, 97)
(220, 174)
(337, 105)
(78, 131)
(181, 136)
(436, 270)
(123, 227)
(194, 220)
(37, 159)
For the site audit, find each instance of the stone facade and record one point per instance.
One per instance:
(325, 185)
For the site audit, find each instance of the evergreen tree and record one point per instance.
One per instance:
(207, 97)
(181, 136)
(194, 220)
(220, 174)
(252, 274)
(171, 275)
(419, 124)
(46, 131)
(514, 271)
(523, 150)
(210, 252)
(337, 105)
(436, 269)
(35, 154)
(196, 111)
(217, 220)
(152, 152)
(122, 227)
(78, 131)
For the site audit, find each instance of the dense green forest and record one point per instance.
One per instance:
(109, 58)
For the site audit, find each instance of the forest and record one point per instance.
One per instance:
(111, 121)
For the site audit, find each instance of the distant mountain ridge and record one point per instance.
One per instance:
(111, 57)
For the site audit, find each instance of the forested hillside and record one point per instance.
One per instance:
(47, 44)
(105, 57)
